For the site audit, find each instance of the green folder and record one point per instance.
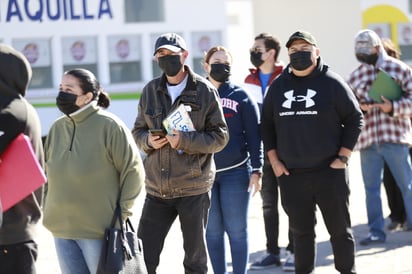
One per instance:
(386, 86)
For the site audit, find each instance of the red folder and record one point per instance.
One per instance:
(20, 172)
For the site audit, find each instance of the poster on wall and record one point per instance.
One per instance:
(383, 30)
(203, 41)
(37, 51)
(405, 41)
(79, 50)
(124, 48)
(405, 33)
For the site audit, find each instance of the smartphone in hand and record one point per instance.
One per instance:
(158, 132)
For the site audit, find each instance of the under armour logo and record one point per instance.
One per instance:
(299, 98)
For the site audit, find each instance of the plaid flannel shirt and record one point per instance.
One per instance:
(382, 127)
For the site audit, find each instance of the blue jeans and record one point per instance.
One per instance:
(78, 256)
(398, 160)
(228, 213)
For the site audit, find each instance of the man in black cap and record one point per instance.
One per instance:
(18, 250)
(179, 165)
(310, 124)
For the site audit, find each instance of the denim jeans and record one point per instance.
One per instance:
(228, 214)
(78, 256)
(328, 189)
(158, 216)
(398, 160)
(394, 197)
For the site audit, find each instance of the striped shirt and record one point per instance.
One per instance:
(383, 127)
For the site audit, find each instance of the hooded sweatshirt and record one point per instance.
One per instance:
(18, 116)
(307, 119)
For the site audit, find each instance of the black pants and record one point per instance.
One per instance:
(394, 196)
(270, 197)
(18, 258)
(329, 190)
(158, 216)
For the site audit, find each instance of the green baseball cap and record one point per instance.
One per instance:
(302, 35)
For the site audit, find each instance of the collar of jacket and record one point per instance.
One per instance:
(83, 113)
(191, 80)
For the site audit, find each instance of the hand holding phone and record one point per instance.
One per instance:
(158, 132)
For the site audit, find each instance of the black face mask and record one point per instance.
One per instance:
(369, 59)
(301, 60)
(170, 64)
(66, 102)
(256, 59)
(220, 72)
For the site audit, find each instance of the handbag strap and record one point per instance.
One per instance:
(117, 215)
(124, 225)
(123, 228)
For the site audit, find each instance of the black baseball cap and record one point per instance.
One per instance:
(171, 41)
(303, 35)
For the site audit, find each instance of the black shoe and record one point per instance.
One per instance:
(371, 239)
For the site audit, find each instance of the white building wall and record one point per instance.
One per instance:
(182, 16)
(240, 34)
(334, 24)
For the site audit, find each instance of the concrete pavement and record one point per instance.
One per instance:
(393, 257)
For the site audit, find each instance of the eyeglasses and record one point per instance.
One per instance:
(257, 50)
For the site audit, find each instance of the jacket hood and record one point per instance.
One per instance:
(15, 72)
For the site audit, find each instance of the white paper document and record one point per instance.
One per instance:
(179, 119)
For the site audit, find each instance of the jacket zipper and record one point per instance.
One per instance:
(74, 132)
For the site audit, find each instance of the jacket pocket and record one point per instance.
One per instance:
(154, 118)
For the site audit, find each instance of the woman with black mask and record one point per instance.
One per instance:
(238, 167)
(92, 162)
